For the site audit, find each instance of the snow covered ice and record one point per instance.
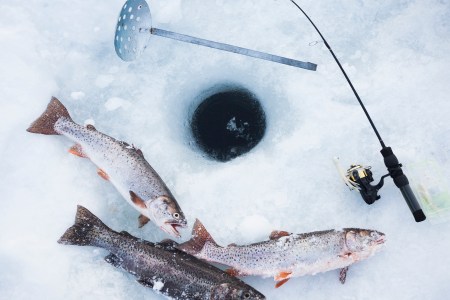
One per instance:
(395, 52)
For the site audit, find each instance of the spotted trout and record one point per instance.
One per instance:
(118, 162)
(165, 269)
(286, 255)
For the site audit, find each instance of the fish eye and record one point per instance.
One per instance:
(246, 295)
(176, 215)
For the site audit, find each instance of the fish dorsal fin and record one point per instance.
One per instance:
(200, 236)
(143, 220)
(137, 200)
(139, 151)
(276, 234)
(91, 127)
(126, 233)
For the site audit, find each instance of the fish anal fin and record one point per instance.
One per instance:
(343, 275)
(282, 275)
(143, 220)
(281, 282)
(103, 174)
(137, 200)
(276, 234)
(78, 151)
(113, 260)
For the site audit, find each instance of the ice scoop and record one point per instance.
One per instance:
(134, 28)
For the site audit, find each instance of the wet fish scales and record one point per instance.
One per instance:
(162, 267)
(123, 165)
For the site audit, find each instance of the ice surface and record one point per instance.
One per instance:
(396, 53)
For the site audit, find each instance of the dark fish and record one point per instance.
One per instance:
(162, 267)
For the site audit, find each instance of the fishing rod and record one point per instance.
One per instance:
(360, 177)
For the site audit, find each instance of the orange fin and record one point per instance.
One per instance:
(282, 275)
(77, 150)
(343, 275)
(276, 234)
(280, 283)
(143, 220)
(137, 200)
(233, 272)
(102, 174)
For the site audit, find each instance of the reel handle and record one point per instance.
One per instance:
(402, 182)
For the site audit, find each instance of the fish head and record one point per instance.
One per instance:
(364, 241)
(228, 291)
(166, 213)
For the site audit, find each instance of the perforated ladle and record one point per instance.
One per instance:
(135, 26)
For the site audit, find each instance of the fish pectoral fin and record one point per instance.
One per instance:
(113, 260)
(102, 174)
(167, 244)
(137, 200)
(343, 275)
(145, 282)
(281, 282)
(78, 151)
(143, 220)
(276, 234)
(282, 275)
(235, 273)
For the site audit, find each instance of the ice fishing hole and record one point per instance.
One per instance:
(228, 124)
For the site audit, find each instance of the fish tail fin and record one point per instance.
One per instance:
(86, 230)
(200, 236)
(46, 122)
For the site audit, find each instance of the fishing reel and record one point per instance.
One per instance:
(359, 177)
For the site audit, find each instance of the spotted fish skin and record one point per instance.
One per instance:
(162, 267)
(288, 255)
(123, 165)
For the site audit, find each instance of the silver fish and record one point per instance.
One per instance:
(288, 255)
(123, 165)
(162, 267)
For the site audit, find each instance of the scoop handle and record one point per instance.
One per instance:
(234, 49)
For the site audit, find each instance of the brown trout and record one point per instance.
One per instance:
(287, 255)
(123, 165)
(165, 269)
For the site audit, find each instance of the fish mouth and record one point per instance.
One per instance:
(381, 240)
(171, 228)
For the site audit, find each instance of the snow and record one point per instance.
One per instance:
(395, 52)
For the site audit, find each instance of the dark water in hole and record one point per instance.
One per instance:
(228, 124)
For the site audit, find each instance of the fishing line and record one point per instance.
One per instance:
(362, 176)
